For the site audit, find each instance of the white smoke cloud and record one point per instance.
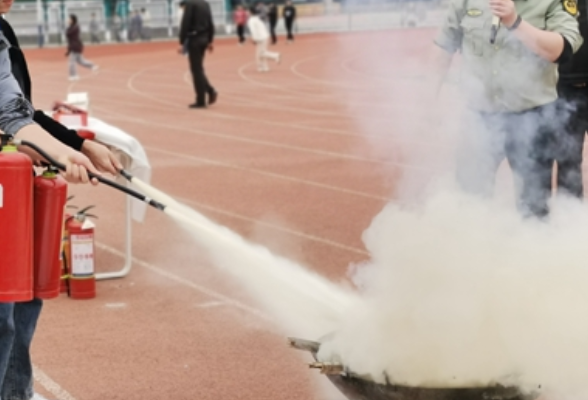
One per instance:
(463, 292)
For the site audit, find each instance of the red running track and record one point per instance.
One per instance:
(299, 159)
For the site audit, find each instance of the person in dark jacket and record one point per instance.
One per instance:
(272, 15)
(75, 48)
(573, 89)
(289, 14)
(18, 320)
(197, 35)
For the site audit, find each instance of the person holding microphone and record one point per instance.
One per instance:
(511, 51)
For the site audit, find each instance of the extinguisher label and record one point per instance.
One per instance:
(1, 196)
(82, 254)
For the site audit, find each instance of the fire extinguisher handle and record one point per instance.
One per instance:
(101, 179)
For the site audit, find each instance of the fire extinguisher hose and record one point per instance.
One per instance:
(101, 179)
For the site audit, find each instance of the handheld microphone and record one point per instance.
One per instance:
(494, 28)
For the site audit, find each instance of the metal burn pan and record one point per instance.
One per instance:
(356, 387)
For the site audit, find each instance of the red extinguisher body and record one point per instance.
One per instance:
(16, 226)
(82, 279)
(50, 195)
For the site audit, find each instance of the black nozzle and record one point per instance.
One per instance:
(126, 175)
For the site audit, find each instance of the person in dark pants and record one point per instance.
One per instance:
(18, 320)
(510, 91)
(573, 90)
(289, 14)
(197, 35)
(240, 18)
(272, 15)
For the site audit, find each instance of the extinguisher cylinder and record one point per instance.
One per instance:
(82, 278)
(16, 226)
(50, 196)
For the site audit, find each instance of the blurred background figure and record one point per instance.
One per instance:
(272, 15)
(262, 10)
(116, 28)
(260, 36)
(135, 26)
(145, 24)
(240, 19)
(197, 36)
(94, 29)
(75, 48)
(289, 14)
(573, 89)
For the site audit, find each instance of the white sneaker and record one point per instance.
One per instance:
(95, 68)
(74, 78)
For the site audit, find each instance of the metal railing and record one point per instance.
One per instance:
(47, 26)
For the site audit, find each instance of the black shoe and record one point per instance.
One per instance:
(212, 98)
(197, 105)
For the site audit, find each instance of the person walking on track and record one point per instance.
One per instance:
(240, 19)
(260, 36)
(75, 48)
(289, 14)
(272, 15)
(197, 35)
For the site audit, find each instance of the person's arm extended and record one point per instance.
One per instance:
(99, 154)
(58, 131)
(76, 164)
(560, 38)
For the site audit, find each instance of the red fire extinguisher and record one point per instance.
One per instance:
(80, 256)
(16, 225)
(50, 194)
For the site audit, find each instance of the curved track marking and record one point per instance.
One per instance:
(322, 153)
(185, 282)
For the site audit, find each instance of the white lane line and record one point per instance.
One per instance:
(239, 99)
(303, 235)
(323, 153)
(265, 173)
(210, 304)
(50, 385)
(175, 278)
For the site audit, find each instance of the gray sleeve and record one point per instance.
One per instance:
(563, 20)
(15, 110)
(451, 34)
(15, 113)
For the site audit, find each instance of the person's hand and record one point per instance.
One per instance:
(77, 167)
(505, 9)
(101, 157)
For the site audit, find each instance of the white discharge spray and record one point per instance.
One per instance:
(461, 293)
(304, 303)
